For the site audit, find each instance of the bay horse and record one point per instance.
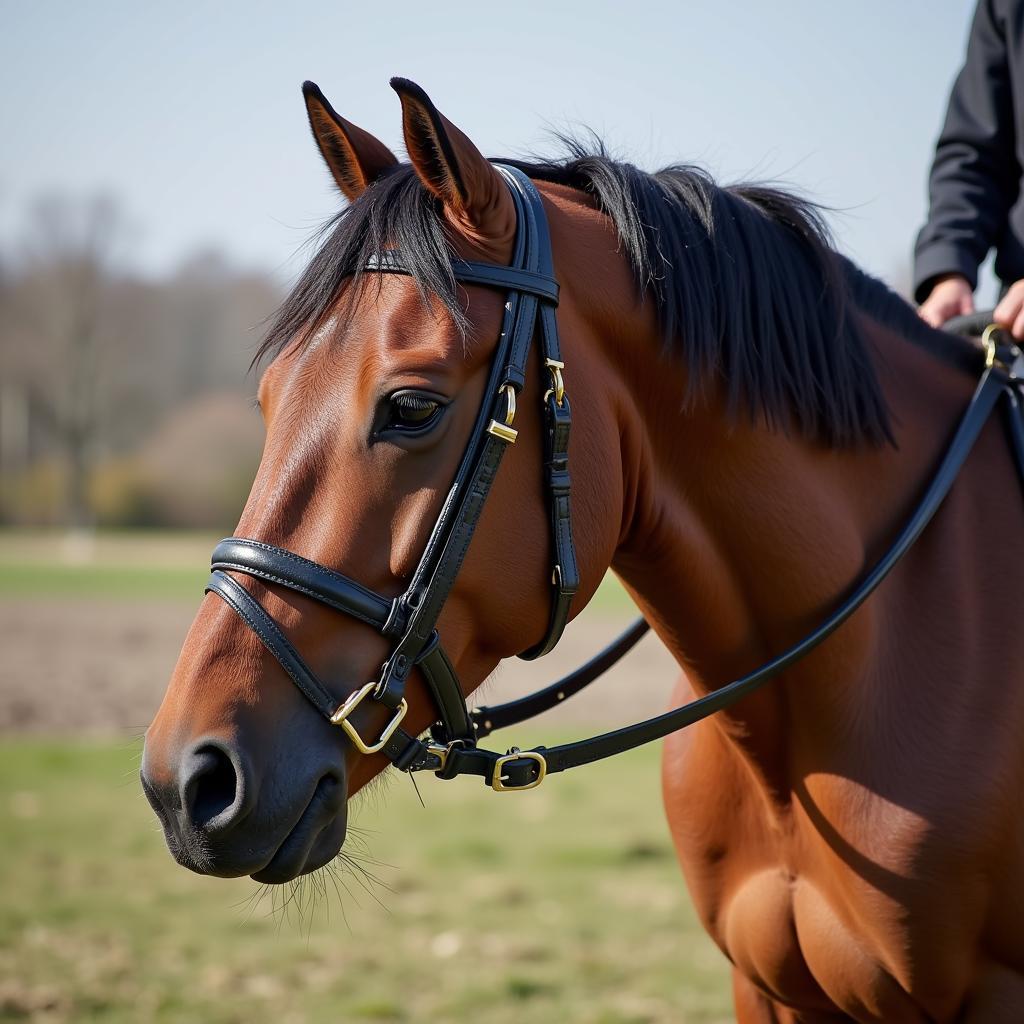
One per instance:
(753, 419)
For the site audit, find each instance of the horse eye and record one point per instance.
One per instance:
(412, 412)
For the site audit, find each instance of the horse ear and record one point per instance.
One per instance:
(354, 157)
(452, 167)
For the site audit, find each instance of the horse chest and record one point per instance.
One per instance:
(821, 923)
(787, 935)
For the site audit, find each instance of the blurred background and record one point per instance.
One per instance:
(158, 186)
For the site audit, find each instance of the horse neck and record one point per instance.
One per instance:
(738, 540)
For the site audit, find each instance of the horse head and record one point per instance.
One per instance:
(372, 403)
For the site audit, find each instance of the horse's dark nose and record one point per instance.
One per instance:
(219, 820)
(213, 787)
(205, 793)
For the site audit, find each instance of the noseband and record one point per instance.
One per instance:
(410, 620)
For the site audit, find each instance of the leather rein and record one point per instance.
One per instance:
(410, 620)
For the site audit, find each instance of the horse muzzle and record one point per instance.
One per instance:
(219, 820)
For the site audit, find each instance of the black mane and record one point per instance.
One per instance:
(747, 286)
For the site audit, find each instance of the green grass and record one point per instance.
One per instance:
(128, 583)
(119, 565)
(136, 566)
(561, 905)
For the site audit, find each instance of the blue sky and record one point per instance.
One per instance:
(192, 115)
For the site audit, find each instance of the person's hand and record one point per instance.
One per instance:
(952, 296)
(1010, 311)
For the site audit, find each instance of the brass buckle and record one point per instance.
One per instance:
(518, 755)
(505, 430)
(440, 751)
(340, 717)
(555, 368)
(989, 344)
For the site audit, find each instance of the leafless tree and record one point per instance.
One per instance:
(56, 338)
(98, 363)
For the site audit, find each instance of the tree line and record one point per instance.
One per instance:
(124, 400)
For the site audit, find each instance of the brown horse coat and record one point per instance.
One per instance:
(852, 836)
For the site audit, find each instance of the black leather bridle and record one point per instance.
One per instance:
(410, 619)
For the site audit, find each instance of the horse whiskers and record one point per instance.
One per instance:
(363, 875)
(250, 904)
(363, 857)
(331, 872)
(306, 894)
(373, 790)
(295, 896)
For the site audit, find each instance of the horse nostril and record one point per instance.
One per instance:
(210, 784)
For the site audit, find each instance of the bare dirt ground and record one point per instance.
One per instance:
(99, 667)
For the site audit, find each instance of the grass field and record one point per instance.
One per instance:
(119, 565)
(139, 566)
(563, 905)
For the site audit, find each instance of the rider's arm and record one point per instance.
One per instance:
(975, 177)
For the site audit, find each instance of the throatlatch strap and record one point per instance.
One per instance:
(565, 579)
(565, 576)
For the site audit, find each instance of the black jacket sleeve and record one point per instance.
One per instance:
(975, 175)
